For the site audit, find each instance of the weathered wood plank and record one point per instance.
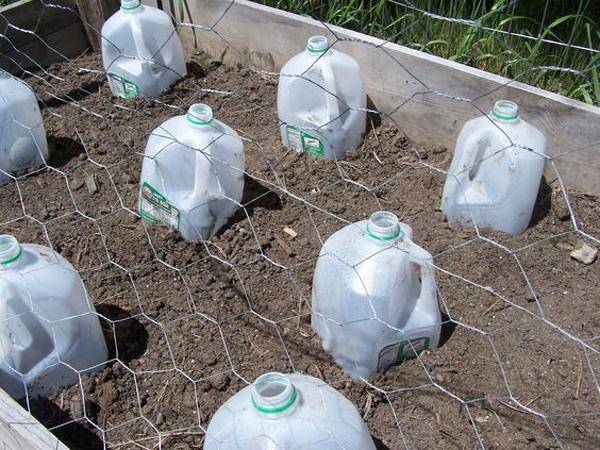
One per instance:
(93, 14)
(437, 95)
(67, 42)
(21, 431)
(44, 34)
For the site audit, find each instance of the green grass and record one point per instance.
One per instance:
(492, 42)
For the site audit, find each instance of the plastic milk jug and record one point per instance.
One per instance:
(285, 412)
(23, 145)
(495, 174)
(369, 307)
(192, 174)
(141, 51)
(321, 101)
(48, 327)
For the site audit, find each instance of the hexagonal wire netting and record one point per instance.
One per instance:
(188, 324)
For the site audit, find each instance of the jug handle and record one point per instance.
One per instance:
(473, 154)
(424, 260)
(8, 291)
(333, 107)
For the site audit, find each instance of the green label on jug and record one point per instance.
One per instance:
(400, 351)
(303, 141)
(123, 87)
(154, 207)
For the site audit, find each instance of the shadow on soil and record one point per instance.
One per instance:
(255, 196)
(380, 445)
(74, 95)
(62, 150)
(78, 434)
(448, 327)
(131, 336)
(543, 203)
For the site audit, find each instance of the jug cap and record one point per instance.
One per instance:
(199, 114)
(10, 249)
(383, 226)
(272, 393)
(317, 44)
(505, 111)
(130, 5)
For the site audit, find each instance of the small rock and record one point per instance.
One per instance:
(560, 208)
(91, 183)
(160, 419)
(76, 184)
(82, 157)
(244, 72)
(585, 254)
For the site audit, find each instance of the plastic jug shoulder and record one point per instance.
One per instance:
(495, 173)
(141, 51)
(369, 306)
(23, 145)
(49, 330)
(321, 101)
(287, 412)
(192, 174)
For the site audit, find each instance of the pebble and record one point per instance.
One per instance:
(559, 206)
(585, 254)
(160, 419)
(76, 184)
(82, 156)
(91, 184)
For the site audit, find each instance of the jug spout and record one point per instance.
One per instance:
(10, 251)
(130, 5)
(505, 111)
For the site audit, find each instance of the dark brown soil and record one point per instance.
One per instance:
(189, 324)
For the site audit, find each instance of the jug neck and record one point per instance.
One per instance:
(130, 5)
(199, 115)
(383, 228)
(317, 45)
(10, 251)
(273, 395)
(505, 111)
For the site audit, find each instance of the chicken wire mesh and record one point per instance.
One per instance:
(189, 324)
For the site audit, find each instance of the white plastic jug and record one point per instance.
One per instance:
(321, 101)
(23, 145)
(369, 307)
(495, 174)
(285, 412)
(141, 51)
(192, 174)
(48, 327)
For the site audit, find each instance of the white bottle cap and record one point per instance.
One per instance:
(273, 393)
(10, 249)
(383, 226)
(317, 44)
(199, 114)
